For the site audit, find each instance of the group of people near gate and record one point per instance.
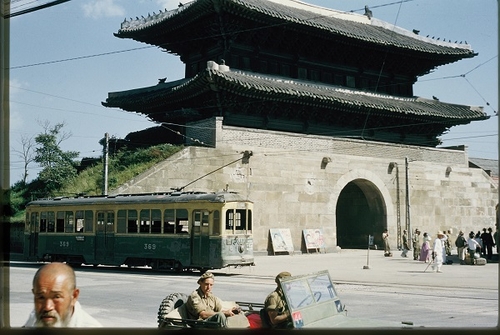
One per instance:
(435, 251)
(56, 302)
(477, 245)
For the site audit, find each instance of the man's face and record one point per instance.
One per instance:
(54, 300)
(206, 286)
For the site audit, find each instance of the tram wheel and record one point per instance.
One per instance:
(171, 302)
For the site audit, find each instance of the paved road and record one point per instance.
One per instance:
(394, 289)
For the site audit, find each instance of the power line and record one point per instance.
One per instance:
(78, 58)
(115, 52)
(36, 8)
(196, 39)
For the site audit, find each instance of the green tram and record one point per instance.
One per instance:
(178, 230)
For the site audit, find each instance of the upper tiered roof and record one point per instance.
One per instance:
(295, 67)
(200, 21)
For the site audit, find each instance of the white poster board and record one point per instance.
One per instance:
(282, 240)
(314, 239)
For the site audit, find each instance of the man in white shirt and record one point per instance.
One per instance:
(56, 299)
(437, 252)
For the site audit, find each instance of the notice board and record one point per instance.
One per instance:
(313, 239)
(281, 240)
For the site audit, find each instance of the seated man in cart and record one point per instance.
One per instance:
(275, 313)
(203, 305)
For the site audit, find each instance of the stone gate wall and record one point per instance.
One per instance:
(295, 181)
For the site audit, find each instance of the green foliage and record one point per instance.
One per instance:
(58, 167)
(123, 166)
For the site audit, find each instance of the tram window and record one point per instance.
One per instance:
(100, 221)
(233, 220)
(132, 222)
(122, 221)
(229, 220)
(240, 221)
(216, 226)
(80, 221)
(169, 221)
(204, 218)
(51, 222)
(249, 220)
(68, 222)
(196, 218)
(181, 221)
(43, 222)
(155, 221)
(60, 222)
(236, 220)
(145, 221)
(89, 221)
(110, 222)
(182, 226)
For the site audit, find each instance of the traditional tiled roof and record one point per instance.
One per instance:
(327, 21)
(272, 88)
(489, 165)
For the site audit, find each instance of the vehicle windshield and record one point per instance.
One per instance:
(309, 295)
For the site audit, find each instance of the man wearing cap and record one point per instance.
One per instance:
(275, 311)
(461, 244)
(203, 305)
(416, 244)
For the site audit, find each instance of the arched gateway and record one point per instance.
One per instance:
(363, 208)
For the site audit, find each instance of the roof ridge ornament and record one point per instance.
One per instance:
(211, 65)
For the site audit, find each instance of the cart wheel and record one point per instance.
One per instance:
(171, 302)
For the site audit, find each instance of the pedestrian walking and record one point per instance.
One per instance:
(416, 244)
(437, 252)
(406, 245)
(461, 244)
(387, 247)
(425, 252)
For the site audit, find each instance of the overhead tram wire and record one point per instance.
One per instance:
(246, 154)
(191, 40)
(33, 9)
(382, 65)
(146, 47)
(473, 87)
(80, 57)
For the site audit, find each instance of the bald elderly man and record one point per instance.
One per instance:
(56, 299)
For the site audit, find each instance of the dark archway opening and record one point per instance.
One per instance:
(360, 212)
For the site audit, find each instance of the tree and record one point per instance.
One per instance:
(58, 167)
(27, 154)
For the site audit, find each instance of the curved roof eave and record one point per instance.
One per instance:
(273, 88)
(330, 21)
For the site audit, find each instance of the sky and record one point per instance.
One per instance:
(65, 59)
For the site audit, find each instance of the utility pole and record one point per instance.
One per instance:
(4, 163)
(105, 165)
(392, 166)
(408, 226)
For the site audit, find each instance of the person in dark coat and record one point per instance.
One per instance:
(488, 243)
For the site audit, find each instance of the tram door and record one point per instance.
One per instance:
(104, 245)
(33, 236)
(200, 239)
